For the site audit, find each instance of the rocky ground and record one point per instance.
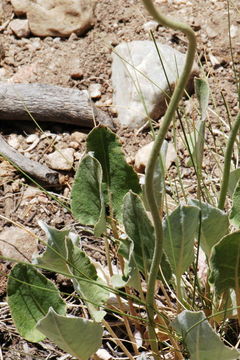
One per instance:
(84, 62)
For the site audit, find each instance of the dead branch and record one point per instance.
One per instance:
(31, 167)
(49, 103)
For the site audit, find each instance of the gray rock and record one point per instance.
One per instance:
(139, 81)
(56, 17)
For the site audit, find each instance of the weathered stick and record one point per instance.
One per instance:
(49, 103)
(31, 167)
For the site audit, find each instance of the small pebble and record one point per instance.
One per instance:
(95, 91)
(150, 26)
(20, 27)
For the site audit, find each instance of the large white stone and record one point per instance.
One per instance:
(139, 81)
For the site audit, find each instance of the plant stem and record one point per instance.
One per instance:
(227, 162)
(177, 94)
(117, 340)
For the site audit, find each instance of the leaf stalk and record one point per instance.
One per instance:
(149, 189)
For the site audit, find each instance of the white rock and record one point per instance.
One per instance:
(20, 27)
(56, 17)
(142, 157)
(233, 31)
(142, 76)
(13, 141)
(102, 354)
(36, 44)
(143, 154)
(31, 138)
(95, 91)
(150, 25)
(17, 239)
(61, 159)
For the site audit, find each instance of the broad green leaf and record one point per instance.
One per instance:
(225, 263)
(87, 201)
(93, 292)
(179, 234)
(118, 176)
(233, 180)
(140, 230)
(214, 225)
(235, 211)
(30, 295)
(202, 92)
(55, 255)
(201, 341)
(79, 337)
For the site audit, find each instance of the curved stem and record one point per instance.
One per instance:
(177, 94)
(227, 162)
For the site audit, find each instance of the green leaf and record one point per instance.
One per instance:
(196, 145)
(235, 211)
(30, 294)
(55, 255)
(214, 225)
(201, 341)
(225, 263)
(93, 291)
(140, 230)
(196, 138)
(79, 337)
(179, 233)
(118, 176)
(233, 180)
(87, 201)
(202, 92)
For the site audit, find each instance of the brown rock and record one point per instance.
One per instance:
(56, 17)
(61, 159)
(17, 244)
(20, 28)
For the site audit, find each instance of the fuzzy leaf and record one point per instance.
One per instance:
(77, 336)
(233, 180)
(196, 144)
(93, 294)
(214, 226)
(201, 341)
(55, 255)
(179, 234)
(225, 263)
(87, 201)
(30, 294)
(118, 176)
(202, 92)
(140, 230)
(235, 211)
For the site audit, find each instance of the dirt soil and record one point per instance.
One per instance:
(54, 61)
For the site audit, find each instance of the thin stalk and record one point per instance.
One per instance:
(117, 340)
(227, 162)
(177, 94)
